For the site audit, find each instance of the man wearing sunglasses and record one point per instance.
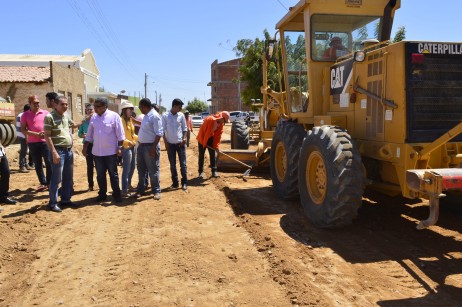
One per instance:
(32, 127)
(107, 134)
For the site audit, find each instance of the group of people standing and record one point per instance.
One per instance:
(107, 136)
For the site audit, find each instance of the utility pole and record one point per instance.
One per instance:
(145, 85)
(156, 97)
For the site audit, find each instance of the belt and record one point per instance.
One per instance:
(63, 148)
(145, 144)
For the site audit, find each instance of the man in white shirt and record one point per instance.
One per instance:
(148, 154)
(175, 133)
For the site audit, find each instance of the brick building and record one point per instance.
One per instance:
(226, 87)
(73, 76)
(20, 82)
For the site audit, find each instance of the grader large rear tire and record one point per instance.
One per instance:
(7, 133)
(285, 149)
(330, 181)
(239, 135)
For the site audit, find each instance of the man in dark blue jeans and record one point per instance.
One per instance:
(107, 134)
(24, 166)
(59, 140)
(175, 134)
(148, 155)
(5, 179)
(32, 127)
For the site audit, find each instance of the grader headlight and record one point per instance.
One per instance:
(360, 56)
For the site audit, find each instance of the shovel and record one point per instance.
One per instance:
(246, 173)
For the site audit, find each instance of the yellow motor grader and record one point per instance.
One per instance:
(353, 110)
(7, 122)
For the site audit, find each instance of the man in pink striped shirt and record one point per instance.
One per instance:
(32, 127)
(107, 134)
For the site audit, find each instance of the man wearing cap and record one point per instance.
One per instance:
(209, 137)
(335, 50)
(174, 124)
(32, 122)
(128, 151)
(189, 125)
(106, 133)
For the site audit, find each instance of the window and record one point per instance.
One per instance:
(69, 101)
(297, 73)
(334, 36)
(79, 104)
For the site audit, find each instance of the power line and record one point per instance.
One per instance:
(282, 5)
(100, 38)
(110, 33)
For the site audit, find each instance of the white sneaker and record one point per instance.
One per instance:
(201, 175)
(126, 194)
(157, 196)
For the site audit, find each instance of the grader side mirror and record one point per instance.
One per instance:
(269, 49)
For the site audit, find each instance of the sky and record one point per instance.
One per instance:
(174, 42)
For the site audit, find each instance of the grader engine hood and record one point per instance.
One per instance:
(434, 116)
(433, 89)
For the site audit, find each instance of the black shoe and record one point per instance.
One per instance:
(100, 198)
(54, 208)
(117, 199)
(68, 204)
(8, 201)
(91, 188)
(174, 186)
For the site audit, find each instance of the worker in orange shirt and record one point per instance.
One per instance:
(189, 125)
(209, 137)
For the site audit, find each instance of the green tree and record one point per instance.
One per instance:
(400, 34)
(362, 35)
(196, 106)
(250, 51)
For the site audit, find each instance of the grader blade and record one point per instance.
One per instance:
(227, 160)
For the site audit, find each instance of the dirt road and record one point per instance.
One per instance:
(227, 242)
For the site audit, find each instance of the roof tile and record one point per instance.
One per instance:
(24, 74)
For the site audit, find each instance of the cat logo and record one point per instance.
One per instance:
(336, 77)
(340, 75)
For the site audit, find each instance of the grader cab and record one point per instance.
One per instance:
(356, 110)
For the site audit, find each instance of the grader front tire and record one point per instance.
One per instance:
(239, 135)
(285, 149)
(331, 181)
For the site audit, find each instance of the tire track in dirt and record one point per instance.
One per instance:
(187, 249)
(75, 257)
(381, 258)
